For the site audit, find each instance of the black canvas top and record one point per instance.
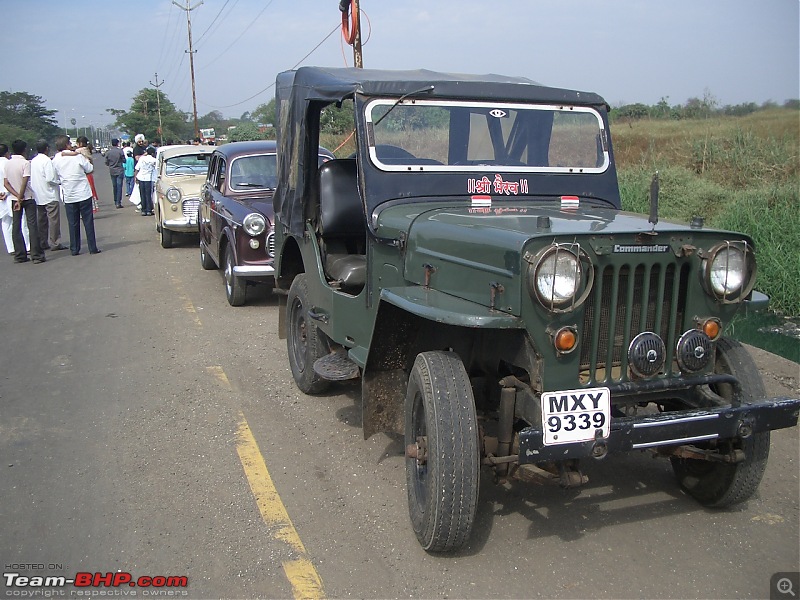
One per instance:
(297, 90)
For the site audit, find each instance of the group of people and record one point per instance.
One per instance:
(32, 190)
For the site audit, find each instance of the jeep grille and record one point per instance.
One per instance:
(626, 301)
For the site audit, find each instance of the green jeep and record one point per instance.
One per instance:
(470, 263)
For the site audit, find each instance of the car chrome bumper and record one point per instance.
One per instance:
(667, 429)
(254, 270)
(180, 224)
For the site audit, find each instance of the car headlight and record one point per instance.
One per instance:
(174, 195)
(254, 224)
(729, 271)
(557, 279)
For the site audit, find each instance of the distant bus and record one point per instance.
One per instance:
(208, 136)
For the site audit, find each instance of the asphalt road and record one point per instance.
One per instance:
(148, 428)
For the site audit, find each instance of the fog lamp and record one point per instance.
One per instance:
(254, 244)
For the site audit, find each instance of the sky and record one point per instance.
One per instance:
(85, 56)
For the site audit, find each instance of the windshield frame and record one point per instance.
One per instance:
(371, 118)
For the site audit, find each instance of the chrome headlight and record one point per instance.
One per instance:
(254, 224)
(729, 271)
(557, 278)
(174, 195)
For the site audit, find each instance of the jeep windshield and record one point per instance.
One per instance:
(464, 136)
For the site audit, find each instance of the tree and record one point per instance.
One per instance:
(23, 116)
(264, 113)
(142, 117)
(246, 132)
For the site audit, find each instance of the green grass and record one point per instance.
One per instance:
(740, 173)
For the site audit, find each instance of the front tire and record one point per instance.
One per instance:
(304, 343)
(441, 426)
(166, 236)
(720, 485)
(235, 287)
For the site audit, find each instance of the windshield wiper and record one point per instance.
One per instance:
(426, 90)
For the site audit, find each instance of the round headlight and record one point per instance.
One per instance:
(557, 278)
(174, 195)
(254, 224)
(730, 271)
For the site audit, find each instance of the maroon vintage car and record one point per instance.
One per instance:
(235, 216)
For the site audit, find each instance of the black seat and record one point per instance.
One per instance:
(342, 224)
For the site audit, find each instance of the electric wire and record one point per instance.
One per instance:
(245, 30)
(271, 85)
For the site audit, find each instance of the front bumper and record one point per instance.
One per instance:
(667, 429)
(254, 271)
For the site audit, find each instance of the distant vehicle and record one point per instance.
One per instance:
(208, 136)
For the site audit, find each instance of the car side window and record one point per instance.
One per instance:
(220, 183)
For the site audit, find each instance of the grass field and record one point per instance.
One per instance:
(740, 173)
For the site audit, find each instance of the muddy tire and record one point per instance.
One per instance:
(304, 342)
(443, 479)
(719, 484)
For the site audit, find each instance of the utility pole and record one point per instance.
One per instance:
(158, 102)
(191, 51)
(358, 57)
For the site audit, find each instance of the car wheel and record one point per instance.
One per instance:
(304, 343)
(717, 484)
(205, 258)
(442, 451)
(166, 237)
(235, 287)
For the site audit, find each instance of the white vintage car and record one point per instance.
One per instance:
(180, 171)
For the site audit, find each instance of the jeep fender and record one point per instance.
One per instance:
(411, 320)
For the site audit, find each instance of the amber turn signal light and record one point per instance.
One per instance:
(712, 328)
(565, 339)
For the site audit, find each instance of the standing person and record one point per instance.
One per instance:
(84, 149)
(115, 161)
(145, 175)
(130, 168)
(44, 182)
(16, 180)
(72, 170)
(139, 148)
(7, 208)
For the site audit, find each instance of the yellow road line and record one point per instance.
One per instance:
(300, 571)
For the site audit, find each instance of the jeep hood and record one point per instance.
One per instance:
(469, 251)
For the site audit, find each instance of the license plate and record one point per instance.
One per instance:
(575, 415)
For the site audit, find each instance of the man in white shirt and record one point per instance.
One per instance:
(6, 212)
(72, 169)
(17, 177)
(44, 182)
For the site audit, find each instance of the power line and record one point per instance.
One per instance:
(202, 35)
(246, 29)
(325, 39)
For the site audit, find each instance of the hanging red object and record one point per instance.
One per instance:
(349, 26)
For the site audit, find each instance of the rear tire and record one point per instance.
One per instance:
(205, 258)
(720, 485)
(441, 421)
(304, 343)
